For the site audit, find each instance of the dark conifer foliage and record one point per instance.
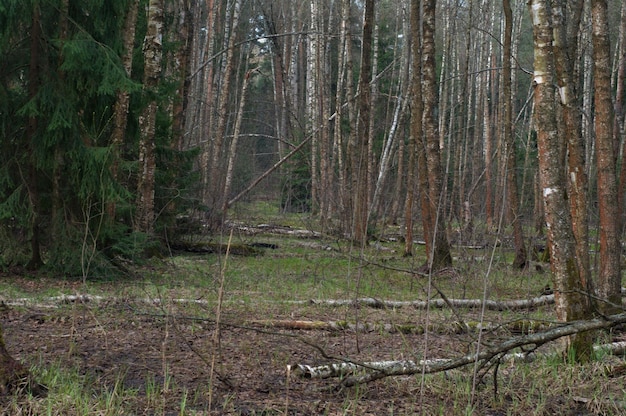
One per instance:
(60, 72)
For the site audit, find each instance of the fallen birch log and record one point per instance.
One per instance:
(54, 301)
(436, 303)
(368, 302)
(523, 326)
(348, 368)
(400, 368)
(516, 304)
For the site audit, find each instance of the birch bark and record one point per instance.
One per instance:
(571, 303)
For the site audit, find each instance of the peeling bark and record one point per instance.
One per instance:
(571, 302)
(486, 356)
(344, 369)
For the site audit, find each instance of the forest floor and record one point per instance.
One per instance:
(149, 347)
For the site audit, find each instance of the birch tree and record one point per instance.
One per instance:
(565, 49)
(215, 181)
(571, 301)
(399, 109)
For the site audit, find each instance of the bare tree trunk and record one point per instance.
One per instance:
(520, 260)
(440, 254)
(415, 147)
(488, 146)
(467, 165)
(216, 175)
(313, 108)
(206, 97)
(570, 131)
(120, 111)
(342, 80)
(571, 302)
(346, 189)
(371, 129)
(609, 276)
(232, 154)
(585, 71)
(56, 214)
(328, 190)
(390, 142)
(31, 129)
(178, 66)
(619, 126)
(153, 50)
(360, 157)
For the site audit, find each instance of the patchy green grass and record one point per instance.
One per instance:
(170, 361)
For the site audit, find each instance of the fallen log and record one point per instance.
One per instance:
(344, 369)
(520, 326)
(217, 248)
(534, 340)
(437, 303)
(367, 302)
(275, 229)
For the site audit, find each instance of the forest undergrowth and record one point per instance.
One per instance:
(218, 333)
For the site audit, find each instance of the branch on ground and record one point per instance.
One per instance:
(496, 352)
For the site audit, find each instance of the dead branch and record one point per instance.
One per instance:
(496, 352)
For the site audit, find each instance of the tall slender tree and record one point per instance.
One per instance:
(122, 103)
(31, 132)
(509, 143)
(415, 147)
(439, 255)
(565, 48)
(619, 125)
(153, 52)
(571, 301)
(359, 154)
(609, 274)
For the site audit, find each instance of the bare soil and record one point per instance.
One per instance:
(166, 351)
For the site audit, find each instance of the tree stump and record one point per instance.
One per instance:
(14, 377)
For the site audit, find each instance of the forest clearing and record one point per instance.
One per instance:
(151, 345)
(312, 207)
